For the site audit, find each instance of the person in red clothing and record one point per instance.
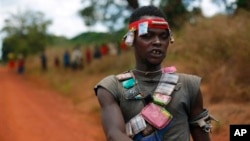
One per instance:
(56, 62)
(11, 61)
(104, 49)
(88, 55)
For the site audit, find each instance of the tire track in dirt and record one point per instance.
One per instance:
(31, 112)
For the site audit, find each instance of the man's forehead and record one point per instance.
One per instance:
(149, 17)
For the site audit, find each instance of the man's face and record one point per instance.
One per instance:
(151, 48)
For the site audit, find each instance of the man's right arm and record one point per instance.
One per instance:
(112, 119)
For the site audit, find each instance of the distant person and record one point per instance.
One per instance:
(151, 102)
(88, 55)
(43, 60)
(104, 49)
(11, 61)
(112, 49)
(20, 64)
(56, 62)
(77, 58)
(66, 59)
(97, 54)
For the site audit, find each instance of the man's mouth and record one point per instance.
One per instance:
(156, 52)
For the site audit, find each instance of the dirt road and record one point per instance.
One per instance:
(32, 112)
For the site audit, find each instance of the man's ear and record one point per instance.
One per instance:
(171, 36)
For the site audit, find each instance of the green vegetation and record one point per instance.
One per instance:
(26, 33)
(90, 38)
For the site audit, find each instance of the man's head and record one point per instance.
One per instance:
(146, 11)
(149, 34)
(138, 22)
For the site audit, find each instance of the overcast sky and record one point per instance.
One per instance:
(64, 14)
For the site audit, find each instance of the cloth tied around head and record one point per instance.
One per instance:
(142, 27)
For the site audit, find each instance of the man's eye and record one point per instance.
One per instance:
(146, 36)
(164, 36)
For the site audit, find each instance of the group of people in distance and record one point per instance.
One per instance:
(16, 63)
(80, 55)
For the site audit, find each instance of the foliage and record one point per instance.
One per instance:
(175, 11)
(26, 33)
(243, 4)
(89, 38)
(113, 13)
(59, 41)
(109, 12)
(219, 51)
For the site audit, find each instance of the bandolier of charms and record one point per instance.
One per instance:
(160, 98)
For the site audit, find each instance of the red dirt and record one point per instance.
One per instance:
(30, 111)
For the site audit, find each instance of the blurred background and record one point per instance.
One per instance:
(72, 45)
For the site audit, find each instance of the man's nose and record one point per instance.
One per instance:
(156, 40)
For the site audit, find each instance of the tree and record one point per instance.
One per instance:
(175, 11)
(133, 3)
(243, 4)
(109, 12)
(26, 32)
(115, 13)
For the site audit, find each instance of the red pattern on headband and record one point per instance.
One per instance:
(152, 23)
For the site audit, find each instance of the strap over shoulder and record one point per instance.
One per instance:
(124, 76)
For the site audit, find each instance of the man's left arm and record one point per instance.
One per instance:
(198, 115)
